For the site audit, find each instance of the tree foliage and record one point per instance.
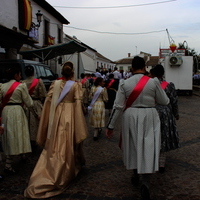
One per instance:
(190, 52)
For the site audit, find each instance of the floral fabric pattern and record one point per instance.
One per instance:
(168, 115)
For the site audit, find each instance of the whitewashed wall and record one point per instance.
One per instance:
(125, 66)
(84, 62)
(100, 62)
(54, 23)
(9, 18)
(9, 13)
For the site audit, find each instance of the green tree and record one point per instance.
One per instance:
(190, 52)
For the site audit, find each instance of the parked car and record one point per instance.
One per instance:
(41, 70)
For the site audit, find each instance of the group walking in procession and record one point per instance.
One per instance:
(57, 122)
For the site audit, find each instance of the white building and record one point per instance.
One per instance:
(18, 18)
(126, 63)
(87, 61)
(104, 63)
(21, 32)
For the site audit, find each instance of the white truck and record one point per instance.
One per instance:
(179, 70)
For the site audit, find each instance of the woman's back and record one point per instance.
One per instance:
(151, 93)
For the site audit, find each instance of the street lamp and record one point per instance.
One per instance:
(39, 19)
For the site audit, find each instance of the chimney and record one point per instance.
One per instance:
(129, 54)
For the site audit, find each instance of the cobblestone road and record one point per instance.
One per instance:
(105, 178)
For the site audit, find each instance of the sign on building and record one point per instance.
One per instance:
(167, 52)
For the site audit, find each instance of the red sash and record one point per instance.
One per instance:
(110, 84)
(83, 80)
(133, 96)
(136, 91)
(60, 78)
(9, 93)
(164, 84)
(33, 85)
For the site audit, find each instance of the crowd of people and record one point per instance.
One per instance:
(56, 121)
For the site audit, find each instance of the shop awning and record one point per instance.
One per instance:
(53, 51)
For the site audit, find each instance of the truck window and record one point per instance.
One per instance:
(49, 74)
(36, 71)
(42, 72)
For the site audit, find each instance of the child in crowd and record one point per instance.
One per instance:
(98, 96)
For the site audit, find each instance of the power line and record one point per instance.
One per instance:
(103, 32)
(145, 4)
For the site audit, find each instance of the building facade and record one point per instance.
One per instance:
(126, 63)
(28, 25)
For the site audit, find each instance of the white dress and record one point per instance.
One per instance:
(16, 139)
(140, 124)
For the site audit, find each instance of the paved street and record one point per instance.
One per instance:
(105, 178)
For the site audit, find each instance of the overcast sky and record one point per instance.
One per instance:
(146, 20)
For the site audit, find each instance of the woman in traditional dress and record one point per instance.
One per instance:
(16, 139)
(98, 95)
(62, 129)
(37, 92)
(112, 86)
(86, 90)
(140, 136)
(168, 115)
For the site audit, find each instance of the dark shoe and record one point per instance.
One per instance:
(10, 171)
(24, 160)
(161, 170)
(135, 180)
(1, 178)
(100, 130)
(145, 192)
(95, 138)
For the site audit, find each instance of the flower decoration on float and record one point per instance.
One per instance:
(173, 47)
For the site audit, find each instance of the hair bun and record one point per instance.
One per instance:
(29, 70)
(67, 69)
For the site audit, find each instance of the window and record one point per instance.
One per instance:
(59, 35)
(46, 32)
(42, 72)
(36, 71)
(121, 68)
(49, 74)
